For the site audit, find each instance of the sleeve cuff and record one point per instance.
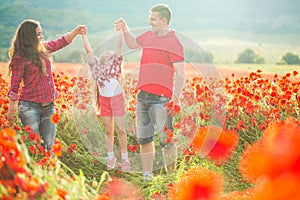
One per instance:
(120, 58)
(13, 96)
(67, 38)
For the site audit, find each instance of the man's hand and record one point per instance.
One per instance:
(121, 25)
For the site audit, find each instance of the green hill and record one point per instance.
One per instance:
(271, 22)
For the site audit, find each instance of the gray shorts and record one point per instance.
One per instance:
(150, 116)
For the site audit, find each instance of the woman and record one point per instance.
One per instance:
(30, 63)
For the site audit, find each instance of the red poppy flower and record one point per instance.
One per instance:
(26, 183)
(57, 147)
(28, 129)
(197, 183)
(33, 150)
(10, 151)
(133, 148)
(55, 118)
(64, 107)
(277, 152)
(295, 73)
(17, 128)
(122, 189)
(283, 187)
(217, 143)
(63, 194)
(104, 196)
(72, 148)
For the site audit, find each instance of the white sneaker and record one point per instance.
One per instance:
(125, 165)
(148, 177)
(111, 163)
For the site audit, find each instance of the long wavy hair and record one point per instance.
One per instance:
(96, 96)
(26, 44)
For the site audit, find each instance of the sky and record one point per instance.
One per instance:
(247, 15)
(211, 23)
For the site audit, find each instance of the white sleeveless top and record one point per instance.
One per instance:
(111, 88)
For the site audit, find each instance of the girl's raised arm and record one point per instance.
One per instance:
(87, 46)
(118, 46)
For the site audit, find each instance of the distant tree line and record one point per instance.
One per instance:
(291, 59)
(249, 56)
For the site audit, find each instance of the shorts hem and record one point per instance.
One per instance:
(145, 140)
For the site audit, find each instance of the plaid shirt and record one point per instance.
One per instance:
(37, 87)
(104, 72)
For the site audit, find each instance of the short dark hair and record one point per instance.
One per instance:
(163, 10)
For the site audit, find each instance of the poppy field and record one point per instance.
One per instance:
(238, 139)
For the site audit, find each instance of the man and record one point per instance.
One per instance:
(162, 58)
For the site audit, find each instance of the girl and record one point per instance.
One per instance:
(30, 63)
(109, 100)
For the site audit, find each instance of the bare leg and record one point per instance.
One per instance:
(109, 132)
(147, 156)
(120, 129)
(169, 151)
(170, 158)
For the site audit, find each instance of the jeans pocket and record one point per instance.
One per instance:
(164, 99)
(23, 106)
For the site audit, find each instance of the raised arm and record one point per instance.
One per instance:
(66, 39)
(87, 46)
(80, 29)
(129, 37)
(118, 46)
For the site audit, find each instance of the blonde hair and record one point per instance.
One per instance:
(96, 93)
(96, 96)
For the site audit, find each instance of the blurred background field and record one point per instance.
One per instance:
(236, 36)
(131, 69)
(224, 29)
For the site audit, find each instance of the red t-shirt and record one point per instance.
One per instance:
(156, 66)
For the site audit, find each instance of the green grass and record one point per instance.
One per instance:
(266, 68)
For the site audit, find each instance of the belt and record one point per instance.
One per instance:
(43, 104)
(151, 94)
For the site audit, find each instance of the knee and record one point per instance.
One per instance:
(120, 131)
(109, 131)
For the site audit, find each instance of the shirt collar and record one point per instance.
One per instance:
(170, 33)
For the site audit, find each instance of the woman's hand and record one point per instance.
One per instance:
(11, 116)
(80, 29)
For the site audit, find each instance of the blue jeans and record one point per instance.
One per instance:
(151, 115)
(38, 118)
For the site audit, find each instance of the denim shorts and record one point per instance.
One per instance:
(38, 118)
(152, 116)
